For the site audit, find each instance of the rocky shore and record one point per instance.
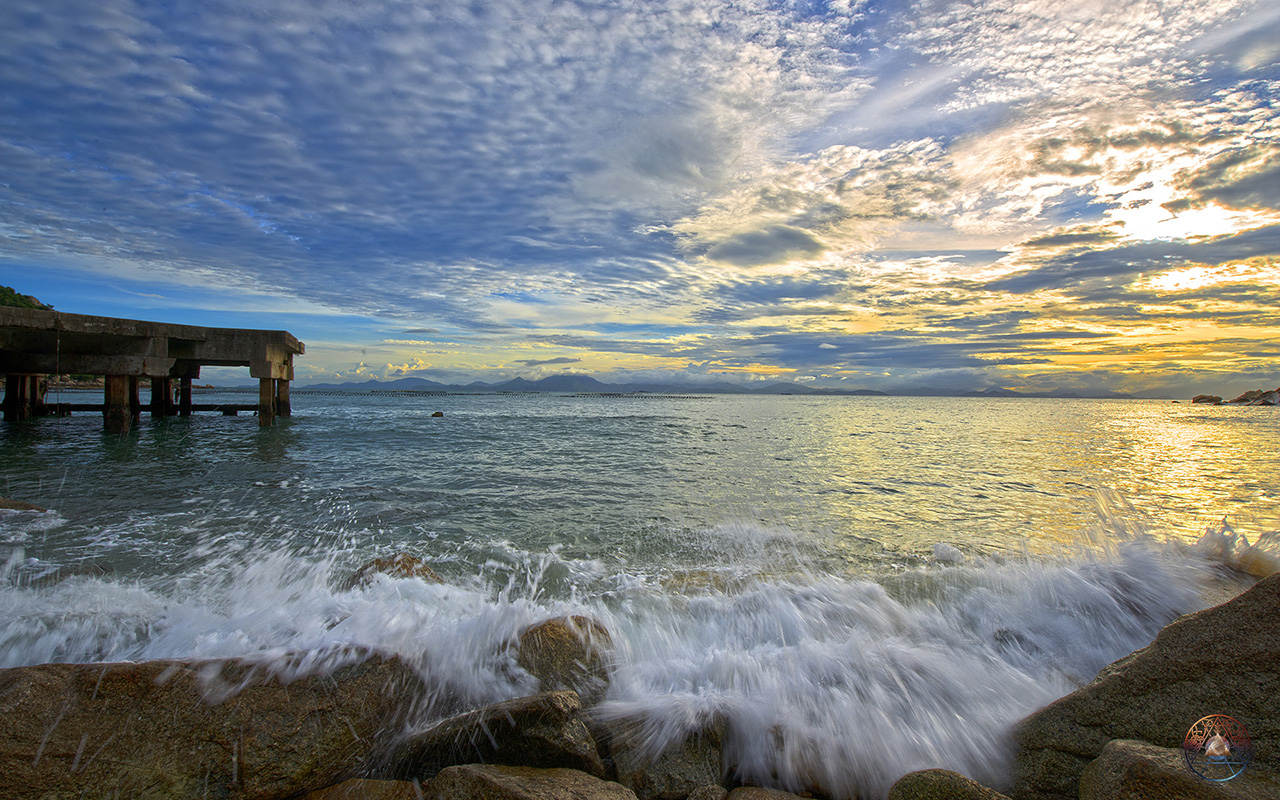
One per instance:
(240, 731)
(1254, 397)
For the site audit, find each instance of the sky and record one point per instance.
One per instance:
(1038, 195)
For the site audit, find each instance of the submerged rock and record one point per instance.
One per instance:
(401, 565)
(1133, 770)
(484, 782)
(545, 730)
(1224, 659)
(568, 653)
(941, 784)
(166, 729)
(18, 505)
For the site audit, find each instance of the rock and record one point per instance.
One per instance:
(1248, 397)
(437, 413)
(168, 729)
(568, 653)
(401, 565)
(1267, 399)
(484, 782)
(673, 773)
(18, 505)
(1224, 659)
(1132, 770)
(708, 793)
(941, 784)
(1207, 398)
(545, 730)
(364, 789)
(757, 793)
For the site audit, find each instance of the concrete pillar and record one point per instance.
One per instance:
(161, 396)
(23, 396)
(184, 397)
(117, 413)
(266, 401)
(13, 396)
(282, 398)
(135, 399)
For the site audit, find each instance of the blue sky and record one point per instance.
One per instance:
(1034, 194)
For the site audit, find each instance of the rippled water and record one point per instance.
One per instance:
(768, 560)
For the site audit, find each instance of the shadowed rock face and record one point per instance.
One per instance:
(545, 730)
(1223, 660)
(484, 782)
(166, 729)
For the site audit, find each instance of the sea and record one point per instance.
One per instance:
(859, 586)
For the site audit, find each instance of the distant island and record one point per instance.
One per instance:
(585, 384)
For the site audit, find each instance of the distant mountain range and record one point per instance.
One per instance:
(585, 384)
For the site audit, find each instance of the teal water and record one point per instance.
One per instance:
(810, 567)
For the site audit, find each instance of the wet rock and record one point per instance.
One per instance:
(673, 773)
(545, 730)
(18, 505)
(941, 784)
(1225, 658)
(484, 782)
(364, 789)
(708, 793)
(1207, 398)
(757, 793)
(401, 565)
(1133, 770)
(437, 413)
(568, 653)
(1248, 397)
(168, 729)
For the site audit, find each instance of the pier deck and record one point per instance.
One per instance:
(37, 343)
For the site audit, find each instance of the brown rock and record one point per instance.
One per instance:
(757, 793)
(708, 793)
(568, 653)
(673, 773)
(364, 789)
(941, 784)
(545, 730)
(1207, 398)
(1133, 770)
(401, 565)
(1224, 659)
(18, 505)
(168, 729)
(484, 782)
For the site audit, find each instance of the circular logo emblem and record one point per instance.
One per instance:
(1217, 748)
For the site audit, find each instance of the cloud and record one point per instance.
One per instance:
(532, 362)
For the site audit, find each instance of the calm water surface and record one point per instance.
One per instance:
(767, 559)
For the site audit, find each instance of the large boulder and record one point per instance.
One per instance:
(400, 565)
(168, 729)
(484, 782)
(1212, 399)
(940, 784)
(568, 653)
(1223, 660)
(757, 793)
(1133, 770)
(673, 773)
(545, 730)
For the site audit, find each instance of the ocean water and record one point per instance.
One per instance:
(861, 586)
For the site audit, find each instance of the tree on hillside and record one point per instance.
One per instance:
(10, 298)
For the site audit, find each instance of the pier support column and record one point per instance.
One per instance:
(161, 396)
(282, 398)
(266, 401)
(23, 396)
(117, 411)
(184, 397)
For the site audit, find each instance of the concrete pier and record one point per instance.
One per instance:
(37, 343)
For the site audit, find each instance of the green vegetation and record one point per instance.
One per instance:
(10, 298)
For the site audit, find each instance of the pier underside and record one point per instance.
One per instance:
(36, 344)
